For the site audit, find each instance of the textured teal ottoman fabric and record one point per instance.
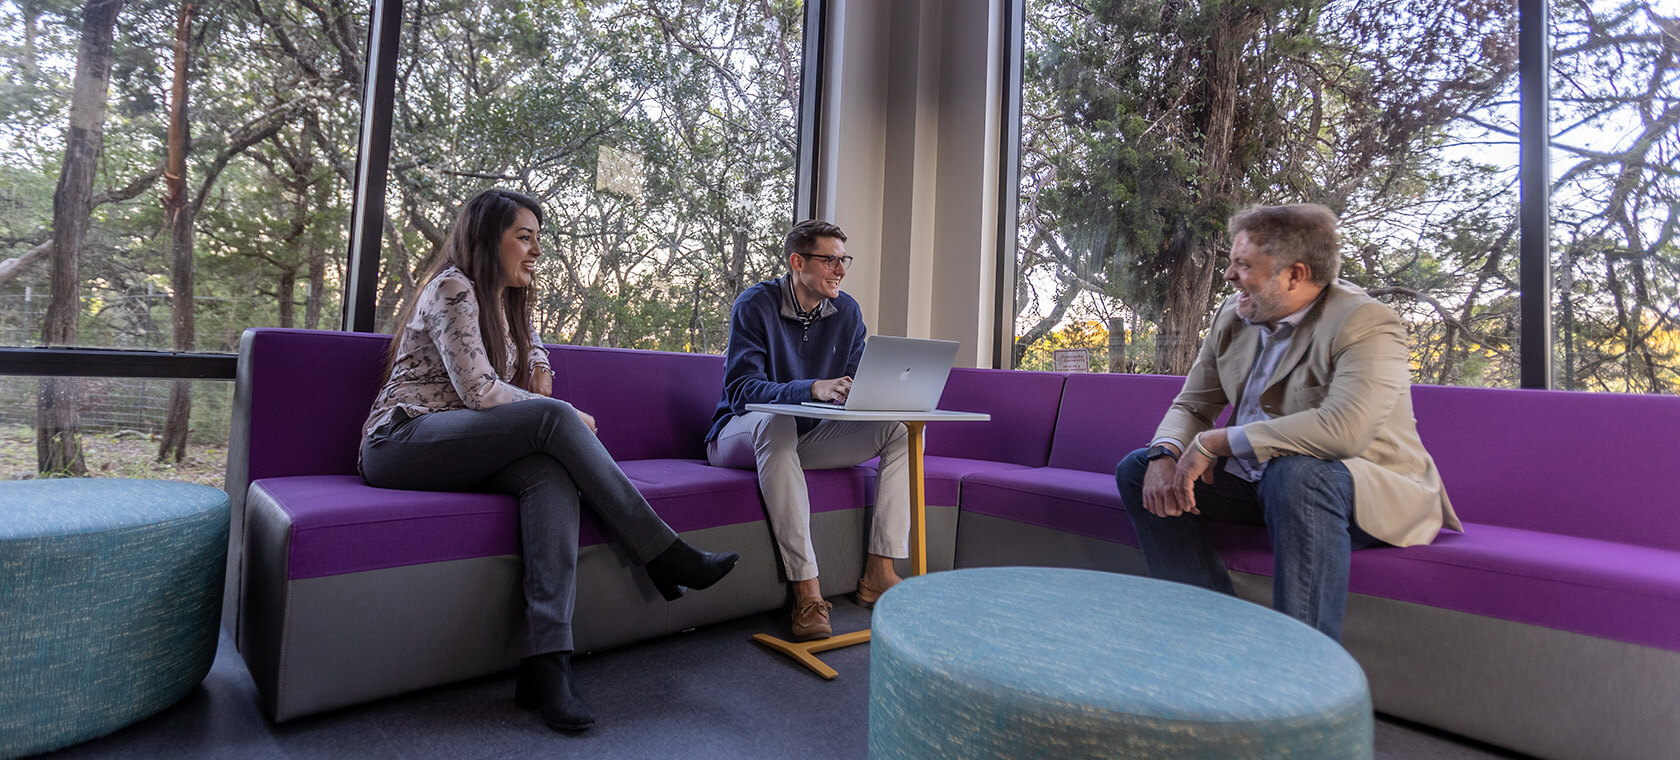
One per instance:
(1026, 663)
(110, 597)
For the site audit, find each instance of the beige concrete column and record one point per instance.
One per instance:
(910, 163)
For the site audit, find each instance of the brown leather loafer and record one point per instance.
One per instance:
(810, 620)
(867, 594)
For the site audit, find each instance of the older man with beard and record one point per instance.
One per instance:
(1321, 447)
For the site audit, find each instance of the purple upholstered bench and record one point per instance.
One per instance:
(1023, 408)
(1067, 513)
(342, 593)
(1551, 625)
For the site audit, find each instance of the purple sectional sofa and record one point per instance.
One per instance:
(1551, 625)
(341, 593)
(1017, 437)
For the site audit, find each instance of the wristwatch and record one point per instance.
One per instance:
(1157, 451)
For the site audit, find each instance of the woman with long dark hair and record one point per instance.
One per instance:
(466, 406)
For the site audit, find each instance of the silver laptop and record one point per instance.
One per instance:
(898, 375)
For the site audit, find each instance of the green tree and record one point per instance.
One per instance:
(58, 424)
(1150, 122)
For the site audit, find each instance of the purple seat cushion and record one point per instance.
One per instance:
(691, 494)
(1597, 588)
(1023, 407)
(310, 392)
(943, 476)
(340, 524)
(1104, 417)
(648, 404)
(1520, 458)
(1071, 501)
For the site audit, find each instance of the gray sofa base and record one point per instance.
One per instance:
(987, 541)
(1545, 692)
(315, 644)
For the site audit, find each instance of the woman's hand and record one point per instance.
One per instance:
(542, 381)
(588, 420)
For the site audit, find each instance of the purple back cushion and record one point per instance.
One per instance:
(310, 394)
(1023, 408)
(1104, 417)
(1592, 465)
(647, 404)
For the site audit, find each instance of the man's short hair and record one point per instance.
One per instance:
(803, 237)
(1304, 232)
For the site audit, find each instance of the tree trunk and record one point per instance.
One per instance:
(737, 264)
(180, 219)
(401, 284)
(1193, 251)
(58, 444)
(31, 16)
(317, 269)
(696, 336)
(286, 293)
(1642, 299)
(1117, 344)
(317, 284)
(1566, 316)
(1189, 294)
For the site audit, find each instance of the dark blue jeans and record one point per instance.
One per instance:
(540, 452)
(1306, 506)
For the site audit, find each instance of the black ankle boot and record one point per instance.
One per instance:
(683, 565)
(546, 685)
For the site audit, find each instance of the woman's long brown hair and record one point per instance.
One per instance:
(474, 246)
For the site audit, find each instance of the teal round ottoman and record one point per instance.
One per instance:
(110, 601)
(1024, 663)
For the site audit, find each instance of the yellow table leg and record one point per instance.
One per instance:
(804, 652)
(918, 502)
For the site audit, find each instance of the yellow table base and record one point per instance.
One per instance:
(804, 652)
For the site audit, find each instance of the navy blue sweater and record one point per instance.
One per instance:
(773, 359)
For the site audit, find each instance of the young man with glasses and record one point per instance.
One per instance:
(796, 339)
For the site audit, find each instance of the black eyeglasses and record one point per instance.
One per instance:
(830, 261)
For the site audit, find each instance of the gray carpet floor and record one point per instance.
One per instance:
(708, 693)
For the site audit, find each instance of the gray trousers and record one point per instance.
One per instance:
(772, 444)
(540, 452)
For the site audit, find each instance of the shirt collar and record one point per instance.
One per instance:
(1285, 327)
(790, 308)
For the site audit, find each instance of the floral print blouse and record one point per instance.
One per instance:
(442, 364)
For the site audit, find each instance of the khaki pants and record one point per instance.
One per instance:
(771, 443)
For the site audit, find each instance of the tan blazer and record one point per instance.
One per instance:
(1342, 392)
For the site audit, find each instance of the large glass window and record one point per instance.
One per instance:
(1146, 123)
(120, 430)
(200, 187)
(200, 221)
(659, 135)
(1615, 147)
